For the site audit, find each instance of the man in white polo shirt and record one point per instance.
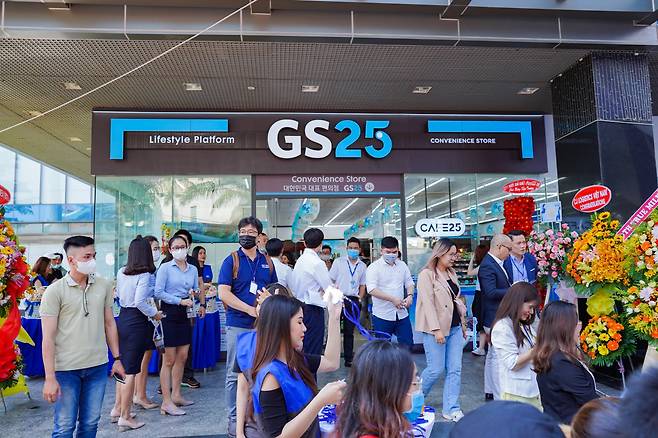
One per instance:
(308, 281)
(389, 281)
(349, 274)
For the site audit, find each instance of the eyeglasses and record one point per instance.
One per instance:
(174, 248)
(253, 233)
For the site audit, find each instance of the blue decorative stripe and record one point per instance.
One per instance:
(324, 194)
(118, 127)
(524, 128)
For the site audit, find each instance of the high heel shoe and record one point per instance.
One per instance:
(125, 425)
(174, 412)
(147, 404)
(183, 402)
(114, 416)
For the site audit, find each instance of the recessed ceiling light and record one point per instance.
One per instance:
(72, 86)
(192, 86)
(59, 6)
(76, 139)
(310, 88)
(528, 90)
(251, 88)
(422, 89)
(33, 113)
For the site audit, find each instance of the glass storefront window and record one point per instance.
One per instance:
(477, 199)
(28, 183)
(209, 207)
(53, 186)
(77, 192)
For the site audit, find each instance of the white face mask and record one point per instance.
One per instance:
(156, 255)
(86, 268)
(179, 254)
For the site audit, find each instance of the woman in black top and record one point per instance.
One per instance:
(565, 383)
(283, 393)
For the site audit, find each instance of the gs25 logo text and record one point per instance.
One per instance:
(312, 137)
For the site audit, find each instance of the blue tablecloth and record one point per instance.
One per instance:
(206, 341)
(32, 357)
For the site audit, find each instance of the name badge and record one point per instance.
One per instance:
(253, 288)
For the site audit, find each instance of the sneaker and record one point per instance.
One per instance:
(479, 352)
(488, 396)
(455, 416)
(348, 364)
(190, 382)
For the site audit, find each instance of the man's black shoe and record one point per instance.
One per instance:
(488, 397)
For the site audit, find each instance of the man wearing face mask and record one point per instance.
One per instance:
(56, 264)
(78, 326)
(349, 274)
(261, 242)
(308, 281)
(387, 279)
(242, 275)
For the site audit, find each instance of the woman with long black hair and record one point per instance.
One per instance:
(565, 382)
(134, 289)
(513, 337)
(383, 393)
(284, 395)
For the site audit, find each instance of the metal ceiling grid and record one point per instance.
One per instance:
(351, 78)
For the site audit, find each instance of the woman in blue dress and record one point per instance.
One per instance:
(199, 254)
(43, 271)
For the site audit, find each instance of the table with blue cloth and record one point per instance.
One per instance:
(32, 355)
(206, 340)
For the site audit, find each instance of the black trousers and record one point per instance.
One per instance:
(348, 332)
(314, 322)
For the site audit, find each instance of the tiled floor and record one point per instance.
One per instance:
(33, 418)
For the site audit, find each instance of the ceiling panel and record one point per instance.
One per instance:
(377, 78)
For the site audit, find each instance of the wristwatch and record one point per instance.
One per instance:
(117, 358)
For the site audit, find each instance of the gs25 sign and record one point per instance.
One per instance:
(373, 130)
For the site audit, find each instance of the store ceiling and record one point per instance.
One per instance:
(374, 78)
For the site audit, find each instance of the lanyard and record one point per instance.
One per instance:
(527, 332)
(516, 266)
(350, 268)
(254, 266)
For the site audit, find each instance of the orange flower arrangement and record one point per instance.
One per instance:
(597, 258)
(603, 341)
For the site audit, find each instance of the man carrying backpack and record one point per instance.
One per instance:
(243, 274)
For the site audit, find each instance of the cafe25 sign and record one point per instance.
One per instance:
(310, 140)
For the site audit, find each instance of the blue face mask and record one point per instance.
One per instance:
(390, 258)
(353, 254)
(417, 402)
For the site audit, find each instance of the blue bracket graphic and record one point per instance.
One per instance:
(118, 127)
(524, 128)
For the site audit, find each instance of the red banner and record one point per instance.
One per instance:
(522, 186)
(639, 216)
(592, 198)
(5, 196)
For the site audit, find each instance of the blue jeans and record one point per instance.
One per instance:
(446, 356)
(81, 400)
(401, 328)
(232, 334)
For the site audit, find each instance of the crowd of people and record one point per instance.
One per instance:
(277, 345)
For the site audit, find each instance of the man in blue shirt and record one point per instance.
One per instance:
(520, 265)
(243, 273)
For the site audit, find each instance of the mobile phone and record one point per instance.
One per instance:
(118, 379)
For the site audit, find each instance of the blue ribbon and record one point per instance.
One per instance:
(353, 314)
(328, 414)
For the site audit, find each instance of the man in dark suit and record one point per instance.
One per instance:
(494, 283)
(520, 265)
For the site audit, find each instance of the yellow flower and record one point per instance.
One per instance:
(603, 350)
(614, 224)
(604, 216)
(604, 337)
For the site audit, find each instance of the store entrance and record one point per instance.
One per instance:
(367, 218)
